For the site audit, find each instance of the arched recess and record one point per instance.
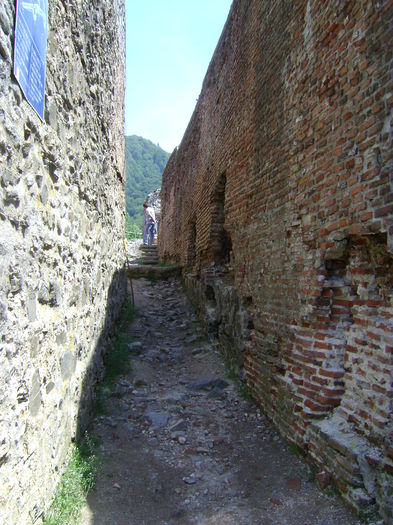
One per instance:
(191, 244)
(220, 240)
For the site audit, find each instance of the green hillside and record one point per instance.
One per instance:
(145, 163)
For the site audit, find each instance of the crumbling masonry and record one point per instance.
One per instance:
(62, 215)
(279, 205)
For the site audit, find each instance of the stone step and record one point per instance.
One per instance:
(150, 255)
(154, 271)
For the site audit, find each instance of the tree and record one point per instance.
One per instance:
(145, 163)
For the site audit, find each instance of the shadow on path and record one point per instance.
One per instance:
(178, 444)
(116, 297)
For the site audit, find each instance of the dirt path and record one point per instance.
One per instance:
(179, 445)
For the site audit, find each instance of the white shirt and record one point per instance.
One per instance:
(150, 214)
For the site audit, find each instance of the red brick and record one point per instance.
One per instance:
(377, 108)
(388, 468)
(331, 401)
(366, 216)
(332, 373)
(308, 177)
(315, 407)
(381, 212)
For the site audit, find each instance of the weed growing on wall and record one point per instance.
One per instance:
(75, 484)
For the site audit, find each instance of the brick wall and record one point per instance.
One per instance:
(295, 121)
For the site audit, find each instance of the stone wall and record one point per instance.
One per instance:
(281, 192)
(62, 215)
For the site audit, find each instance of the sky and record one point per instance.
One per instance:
(169, 47)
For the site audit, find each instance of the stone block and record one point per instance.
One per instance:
(62, 282)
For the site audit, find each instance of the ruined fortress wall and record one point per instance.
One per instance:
(62, 217)
(279, 205)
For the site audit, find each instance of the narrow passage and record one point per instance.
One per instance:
(180, 445)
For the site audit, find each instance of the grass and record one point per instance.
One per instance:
(82, 465)
(295, 450)
(245, 392)
(242, 387)
(369, 515)
(76, 482)
(117, 362)
(231, 373)
(332, 491)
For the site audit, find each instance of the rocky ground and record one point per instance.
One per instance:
(180, 445)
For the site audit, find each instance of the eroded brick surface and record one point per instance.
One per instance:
(282, 190)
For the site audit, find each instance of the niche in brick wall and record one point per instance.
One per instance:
(191, 244)
(247, 305)
(320, 349)
(220, 240)
(340, 295)
(351, 344)
(368, 365)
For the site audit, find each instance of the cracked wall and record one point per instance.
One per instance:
(62, 218)
(296, 113)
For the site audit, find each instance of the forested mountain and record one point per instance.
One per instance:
(145, 163)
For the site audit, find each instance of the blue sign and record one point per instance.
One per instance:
(31, 29)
